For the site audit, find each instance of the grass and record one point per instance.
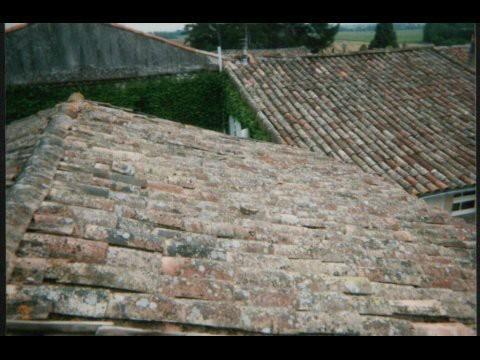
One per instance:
(403, 36)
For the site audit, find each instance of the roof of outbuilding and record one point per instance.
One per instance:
(406, 114)
(141, 225)
(129, 29)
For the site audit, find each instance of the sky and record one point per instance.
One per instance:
(147, 27)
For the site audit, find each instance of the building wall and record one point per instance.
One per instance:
(445, 202)
(59, 52)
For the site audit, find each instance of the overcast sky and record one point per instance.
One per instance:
(147, 27)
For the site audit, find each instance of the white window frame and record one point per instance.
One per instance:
(462, 199)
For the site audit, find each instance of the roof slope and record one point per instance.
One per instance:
(407, 114)
(151, 226)
(460, 53)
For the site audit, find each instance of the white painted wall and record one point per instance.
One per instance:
(445, 201)
(235, 129)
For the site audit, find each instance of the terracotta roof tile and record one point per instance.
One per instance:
(268, 53)
(154, 226)
(460, 53)
(411, 111)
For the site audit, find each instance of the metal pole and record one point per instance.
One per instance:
(219, 55)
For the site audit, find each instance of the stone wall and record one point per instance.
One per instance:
(61, 52)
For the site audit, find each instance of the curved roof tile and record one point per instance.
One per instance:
(408, 115)
(119, 223)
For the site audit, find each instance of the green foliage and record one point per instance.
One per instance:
(238, 108)
(385, 36)
(208, 36)
(172, 35)
(204, 99)
(319, 36)
(193, 99)
(448, 33)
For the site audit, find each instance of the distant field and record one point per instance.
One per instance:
(403, 36)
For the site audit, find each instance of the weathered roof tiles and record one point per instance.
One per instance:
(408, 115)
(460, 53)
(138, 225)
(268, 53)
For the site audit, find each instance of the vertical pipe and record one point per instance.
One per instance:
(219, 55)
(231, 126)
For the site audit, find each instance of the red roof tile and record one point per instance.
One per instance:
(408, 115)
(160, 227)
(460, 53)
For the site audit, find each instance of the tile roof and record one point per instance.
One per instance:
(126, 224)
(407, 114)
(460, 53)
(269, 53)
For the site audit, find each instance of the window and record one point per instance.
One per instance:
(463, 203)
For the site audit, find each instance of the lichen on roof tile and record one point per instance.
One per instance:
(408, 115)
(146, 226)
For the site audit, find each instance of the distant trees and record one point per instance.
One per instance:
(169, 34)
(385, 36)
(317, 36)
(207, 36)
(448, 33)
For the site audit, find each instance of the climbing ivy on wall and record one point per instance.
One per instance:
(203, 99)
(237, 107)
(192, 99)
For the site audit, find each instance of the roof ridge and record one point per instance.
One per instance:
(17, 27)
(34, 181)
(355, 53)
(451, 46)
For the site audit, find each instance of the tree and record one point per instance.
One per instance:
(448, 33)
(208, 36)
(319, 36)
(385, 36)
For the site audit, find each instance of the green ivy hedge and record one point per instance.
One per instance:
(203, 99)
(238, 108)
